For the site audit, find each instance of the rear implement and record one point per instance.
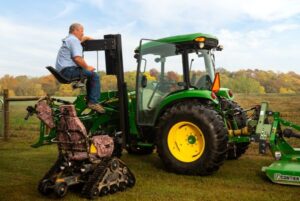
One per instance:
(286, 168)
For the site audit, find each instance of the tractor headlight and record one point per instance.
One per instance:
(277, 155)
(201, 45)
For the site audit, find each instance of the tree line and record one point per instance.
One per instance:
(242, 81)
(260, 81)
(38, 86)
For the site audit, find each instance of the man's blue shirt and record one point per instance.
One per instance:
(71, 47)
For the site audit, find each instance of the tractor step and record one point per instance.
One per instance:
(284, 172)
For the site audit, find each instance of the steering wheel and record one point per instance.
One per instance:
(152, 95)
(204, 82)
(164, 86)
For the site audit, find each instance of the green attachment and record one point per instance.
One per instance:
(239, 139)
(45, 138)
(262, 129)
(286, 168)
(284, 172)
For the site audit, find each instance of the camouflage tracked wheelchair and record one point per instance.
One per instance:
(82, 158)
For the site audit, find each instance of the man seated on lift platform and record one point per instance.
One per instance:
(71, 64)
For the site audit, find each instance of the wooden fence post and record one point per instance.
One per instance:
(1, 117)
(6, 114)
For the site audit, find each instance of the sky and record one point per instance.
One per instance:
(256, 34)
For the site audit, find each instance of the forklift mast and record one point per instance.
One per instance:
(112, 45)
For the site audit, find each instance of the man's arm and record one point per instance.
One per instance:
(76, 53)
(81, 62)
(85, 38)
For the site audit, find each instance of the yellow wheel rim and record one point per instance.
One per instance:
(186, 141)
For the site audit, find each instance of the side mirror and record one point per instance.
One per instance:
(219, 48)
(136, 56)
(144, 81)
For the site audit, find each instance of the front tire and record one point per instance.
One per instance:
(191, 139)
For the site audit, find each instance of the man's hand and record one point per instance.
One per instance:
(81, 62)
(85, 38)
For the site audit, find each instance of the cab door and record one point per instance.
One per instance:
(160, 73)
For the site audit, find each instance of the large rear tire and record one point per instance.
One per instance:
(191, 139)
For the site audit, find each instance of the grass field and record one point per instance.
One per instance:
(21, 167)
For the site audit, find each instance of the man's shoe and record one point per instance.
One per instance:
(97, 107)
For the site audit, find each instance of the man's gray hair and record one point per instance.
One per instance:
(74, 26)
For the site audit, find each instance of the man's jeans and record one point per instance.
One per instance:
(92, 84)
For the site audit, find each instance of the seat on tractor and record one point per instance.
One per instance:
(64, 80)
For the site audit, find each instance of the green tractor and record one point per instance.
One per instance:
(178, 106)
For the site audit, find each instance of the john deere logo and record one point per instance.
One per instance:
(281, 177)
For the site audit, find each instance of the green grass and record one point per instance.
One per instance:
(21, 167)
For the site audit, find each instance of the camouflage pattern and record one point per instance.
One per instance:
(72, 135)
(73, 138)
(44, 113)
(68, 110)
(104, 145)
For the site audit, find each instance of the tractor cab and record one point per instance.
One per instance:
(170, 65)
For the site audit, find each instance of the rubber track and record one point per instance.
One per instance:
(54, 169)
(94, 179)
(97, 176)
(51, 172)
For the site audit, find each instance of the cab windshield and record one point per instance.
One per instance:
(201, 69)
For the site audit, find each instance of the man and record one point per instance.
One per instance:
(70, 63)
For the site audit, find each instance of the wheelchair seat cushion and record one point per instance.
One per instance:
(104, 145)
